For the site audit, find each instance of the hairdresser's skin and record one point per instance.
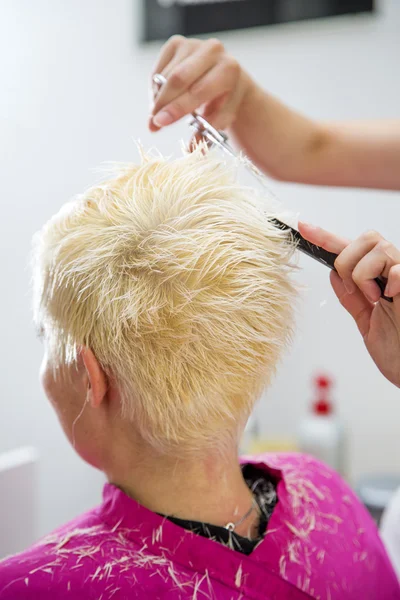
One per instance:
(285, 144)
(291, 147)
(358, 263)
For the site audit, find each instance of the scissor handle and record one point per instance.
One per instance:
(159, 80)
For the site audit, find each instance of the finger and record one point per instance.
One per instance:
(158, 92)
(321, 237)
(167, 53)
(151, 125)
(175, 52)
(217, 82)
(213, 108)
(179, 57)
(348, 259)
(357, 305)
(377, 262)
(222, 111)
(393, 283)
(370, 266)
(182, 73)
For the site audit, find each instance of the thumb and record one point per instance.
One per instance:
(356, 304)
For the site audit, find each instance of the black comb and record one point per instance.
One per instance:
(320, 254)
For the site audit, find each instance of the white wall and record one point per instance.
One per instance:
(74, 94)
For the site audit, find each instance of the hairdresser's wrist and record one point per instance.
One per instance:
(250, 127)
(251, 105)
(282, 142)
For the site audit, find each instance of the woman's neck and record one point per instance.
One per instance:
(210, 490)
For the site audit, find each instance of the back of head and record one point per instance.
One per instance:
(174, 277)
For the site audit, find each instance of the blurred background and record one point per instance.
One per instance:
(74, 93)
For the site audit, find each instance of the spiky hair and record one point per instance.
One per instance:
(172, 274)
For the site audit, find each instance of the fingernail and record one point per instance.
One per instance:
(163, 118)
(350, 286)
(388, 291)
(371, 298)
(309, 225)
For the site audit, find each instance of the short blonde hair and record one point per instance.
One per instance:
(173, 275)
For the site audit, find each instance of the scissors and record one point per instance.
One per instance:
(213, 137)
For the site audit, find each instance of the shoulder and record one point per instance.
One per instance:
(320, 521)
(295, 465)
(26, 575)
(308, 481)
(42, 569)
(290, 464)
(324, 506)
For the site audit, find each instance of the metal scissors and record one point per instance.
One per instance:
(217, 138)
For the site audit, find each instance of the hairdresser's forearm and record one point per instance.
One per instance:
(291, 147)
(278, 140)
(359, 154)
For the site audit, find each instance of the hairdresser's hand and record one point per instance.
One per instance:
(202, 76)
(199, 74)
(358, 263)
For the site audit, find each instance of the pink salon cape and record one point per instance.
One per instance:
(320, 543)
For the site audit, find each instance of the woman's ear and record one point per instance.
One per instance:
(97, 379)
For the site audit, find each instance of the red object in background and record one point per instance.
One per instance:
(322, 405)
(320, 431)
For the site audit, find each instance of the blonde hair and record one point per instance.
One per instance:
(173, 275)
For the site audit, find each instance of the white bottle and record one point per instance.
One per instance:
(321, 433)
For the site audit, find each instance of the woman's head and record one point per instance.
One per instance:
(172, 276)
